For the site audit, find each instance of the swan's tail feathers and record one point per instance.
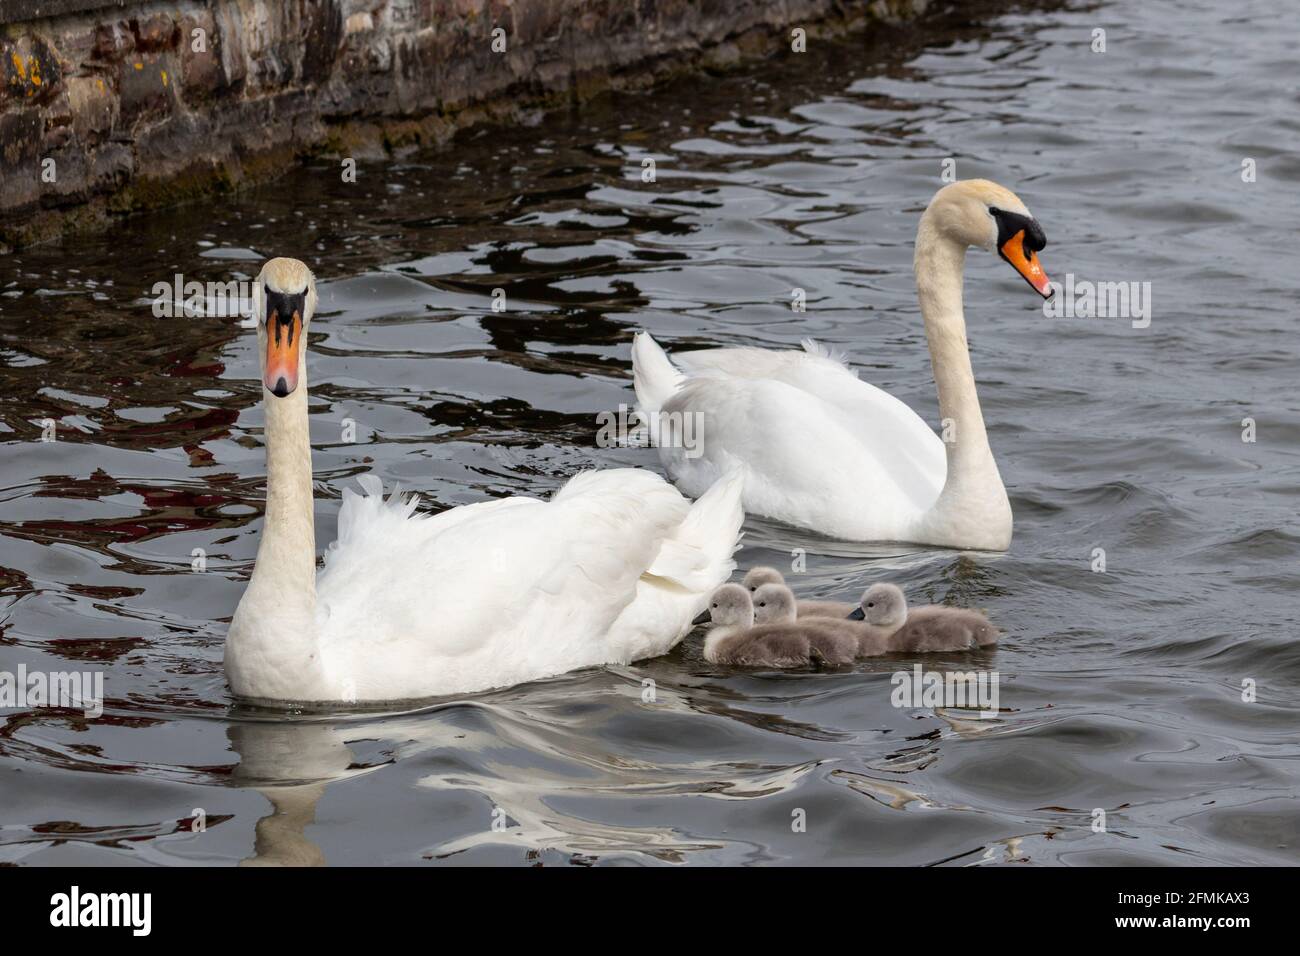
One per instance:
(698, 557)
(653, 375)
(813, 347)
(361, 513)
(371, 485)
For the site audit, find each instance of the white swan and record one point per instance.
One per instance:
(824, 451)
(410, 606)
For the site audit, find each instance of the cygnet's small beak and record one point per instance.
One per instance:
(857, 614)
(702, 618)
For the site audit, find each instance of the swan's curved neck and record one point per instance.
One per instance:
(973, 497)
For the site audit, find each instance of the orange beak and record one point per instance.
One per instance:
(283, 346)
(1026, 263)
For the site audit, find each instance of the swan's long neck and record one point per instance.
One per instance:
(271, 651)
(286, 557)
(973, 505)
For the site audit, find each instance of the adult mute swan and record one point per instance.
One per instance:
(820, 449)
(409, 606)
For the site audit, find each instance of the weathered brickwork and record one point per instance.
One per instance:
(145, 104)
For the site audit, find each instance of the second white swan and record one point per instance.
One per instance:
(822, 450)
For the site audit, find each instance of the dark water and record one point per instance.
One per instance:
(1119, 690)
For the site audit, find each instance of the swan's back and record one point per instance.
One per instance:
(499, 592)
(820, 448)
(751, 362)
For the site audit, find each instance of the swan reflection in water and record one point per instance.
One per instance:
(525, 765)
(291, 763)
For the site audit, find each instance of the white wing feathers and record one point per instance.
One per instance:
(499, 592)
(690, 564)
(838, 356)
(819, 448)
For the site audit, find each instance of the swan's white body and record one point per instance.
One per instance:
(823, 450)
(820, 448)
(409, 606)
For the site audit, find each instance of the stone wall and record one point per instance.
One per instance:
(131, 105)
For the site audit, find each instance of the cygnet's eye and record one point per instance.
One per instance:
(715, 605)
(752, 590)
(762, 604)
(871, 604)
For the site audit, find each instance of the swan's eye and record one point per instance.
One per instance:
(715, 606)
(871, 604)
(762, 604)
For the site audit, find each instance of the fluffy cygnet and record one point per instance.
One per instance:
(757, 577)
(779, 640)
(882, 612)
(732, 612)
(761, 575)
(922, 629)
(885, 605)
